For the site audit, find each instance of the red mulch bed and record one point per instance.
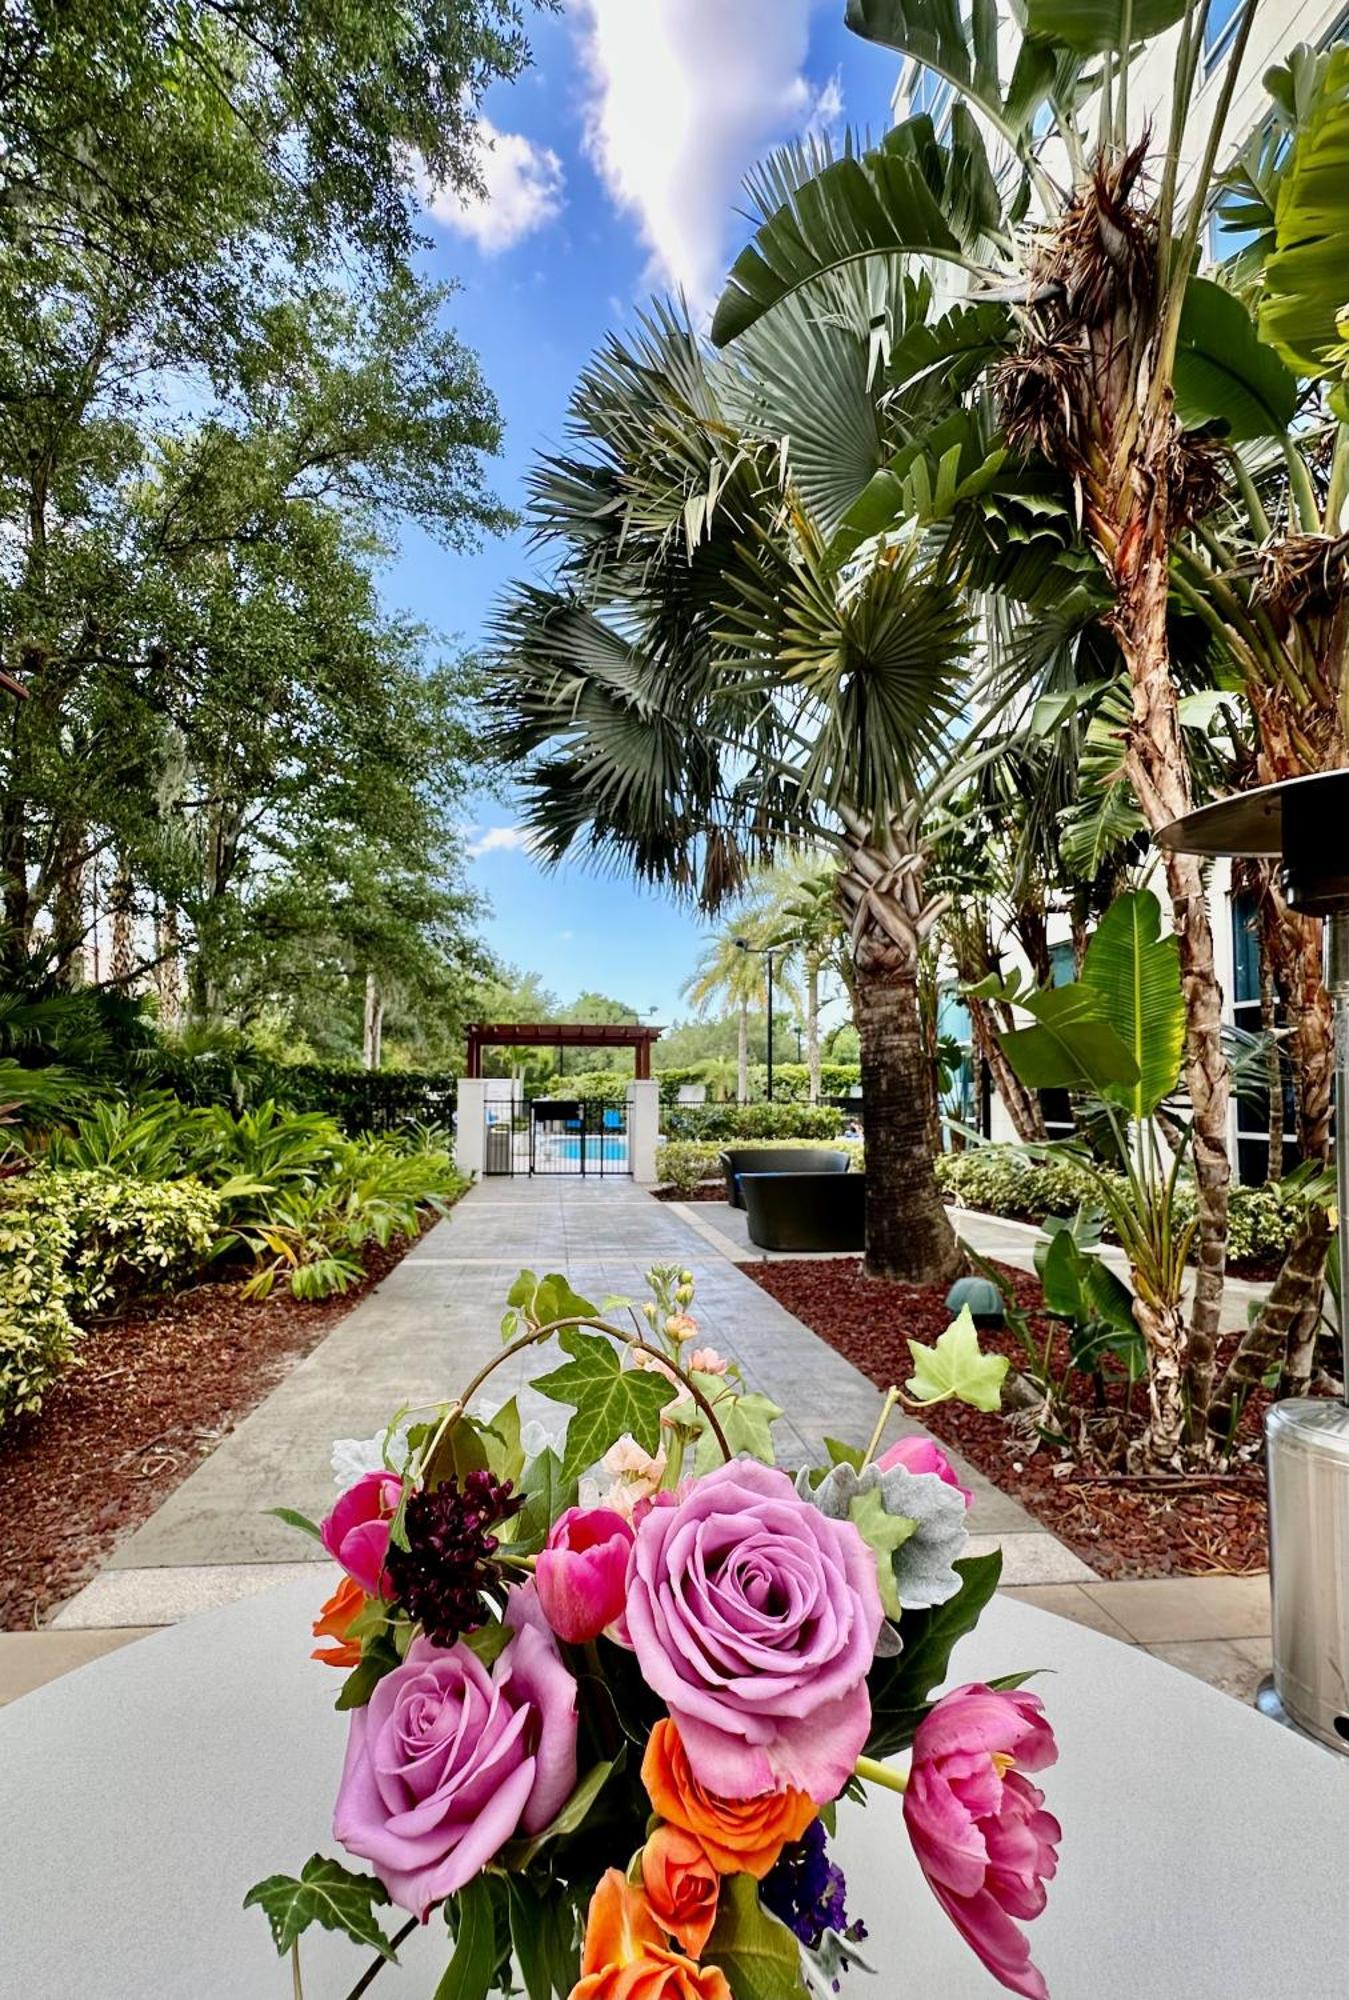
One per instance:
(157, 1392)
(1120, 1526)
(705, 1191)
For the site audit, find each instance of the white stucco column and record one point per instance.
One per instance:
(643, 1129)
(471, 1098)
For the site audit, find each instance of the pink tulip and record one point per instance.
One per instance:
(356, 1533)
(980, 1831)
(582, 1573)
(921, 1454)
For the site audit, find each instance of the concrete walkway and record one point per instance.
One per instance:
(422, 1334)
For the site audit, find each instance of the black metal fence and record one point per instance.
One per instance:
(556, 1136)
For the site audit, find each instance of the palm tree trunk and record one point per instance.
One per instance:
(742, 1056)
(1022, 1105)
(374, 1023)
(1163, 1328)
(168, 968)
(1157, 768)
(122, 949)
(813, 1028)
(908, 1231)
(1295, 1295)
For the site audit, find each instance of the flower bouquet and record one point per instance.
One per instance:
(607, 1693)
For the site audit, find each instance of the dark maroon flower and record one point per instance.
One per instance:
(450, 1561)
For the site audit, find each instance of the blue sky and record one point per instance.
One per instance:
(615, 173)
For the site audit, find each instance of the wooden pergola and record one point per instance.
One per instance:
(562, 1035)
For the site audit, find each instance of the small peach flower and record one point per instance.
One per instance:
(681, 1326)
(682, 1886)
(706, 1361)
(335, 1621)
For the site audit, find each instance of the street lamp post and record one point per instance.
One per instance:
(767, 953)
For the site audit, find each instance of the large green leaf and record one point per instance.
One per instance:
(1135, 973)
(1223, 368)
(907, 195)
(1072, 1046)
(1306, 286)
(901, 1686)
(961, 44)
(1091, 26)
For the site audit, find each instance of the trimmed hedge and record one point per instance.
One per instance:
(684, 1163)
(76, 1243)
(1002, 1181)
(368, 1100)
(752, 1121)
(791, 1080)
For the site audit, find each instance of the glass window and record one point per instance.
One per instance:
(1062, 970)
(932, 94)
(1220, 24)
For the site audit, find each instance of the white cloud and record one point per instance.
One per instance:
(683, 96)
(499, 840)
(522, 190)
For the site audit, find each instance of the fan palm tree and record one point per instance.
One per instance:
(1116, 363)
(715, 681)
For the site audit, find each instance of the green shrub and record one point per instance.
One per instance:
(684, 1163)
(37, 1333)
(791, 1080)
(751, 1121)
(124, 1237)
(1001, 1180)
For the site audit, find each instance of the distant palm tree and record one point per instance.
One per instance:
(739, 980)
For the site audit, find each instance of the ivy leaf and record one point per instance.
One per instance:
(956, 1367)
(473, 1969)
(505, 1453)
(324, 1893)
(845, 1454)
(883, 1533)
(609, 1401)
(555, 1299)
(758, 1954)
(746, 1421)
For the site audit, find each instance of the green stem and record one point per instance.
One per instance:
(372, 1971)
(891, 1398)
(296, 1983)
(876, 1773)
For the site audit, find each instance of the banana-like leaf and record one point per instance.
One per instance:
(1305, 283)
(1224, 369)
(1072, 1046)
(1135, 973)
(1089, 27)
(907, 196)
(962, 46)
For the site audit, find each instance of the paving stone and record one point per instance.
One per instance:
(1068, 1600)
(1223, 1663)
(427, 1328)
(29, 1660)
(122, 1597)
(1171, 1610)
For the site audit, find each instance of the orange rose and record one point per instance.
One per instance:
(624, 1955)
(739, 1836)
(345, 1605)
(681, 1886)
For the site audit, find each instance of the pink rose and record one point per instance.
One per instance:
(581, 1574)
(980, 1831)
(450, 1760)
(356, 1533)
(922, 1454)
(755, 1619)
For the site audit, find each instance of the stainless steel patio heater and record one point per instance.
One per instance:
(1305, 824)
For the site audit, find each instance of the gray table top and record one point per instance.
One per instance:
(1204, 1851)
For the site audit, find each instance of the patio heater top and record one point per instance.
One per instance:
(1304, 822)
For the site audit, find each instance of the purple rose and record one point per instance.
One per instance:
(450, 1760)
(755, 1619)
